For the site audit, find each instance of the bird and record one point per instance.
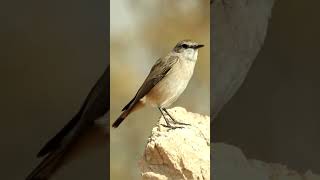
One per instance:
(166, 81)
(95, 107)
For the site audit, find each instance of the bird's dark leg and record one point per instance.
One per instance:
(167, 121)
(174, 121)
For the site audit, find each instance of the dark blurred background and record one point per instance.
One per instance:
(52, 53)
(275, 116)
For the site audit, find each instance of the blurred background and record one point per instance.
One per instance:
(142, 31)
(279, 101)
(52, 53)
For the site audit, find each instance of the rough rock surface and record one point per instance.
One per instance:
(231, 163)
(182, 153)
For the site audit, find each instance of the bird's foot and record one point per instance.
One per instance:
(173, 119)
(180, 123)
(171, 127)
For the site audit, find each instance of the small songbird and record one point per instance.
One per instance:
(166, 81)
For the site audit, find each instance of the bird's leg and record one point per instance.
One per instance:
(167, 121)
(174, 121)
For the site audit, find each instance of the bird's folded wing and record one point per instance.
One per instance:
(157, 72)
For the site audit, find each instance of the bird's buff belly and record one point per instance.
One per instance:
(166, 91)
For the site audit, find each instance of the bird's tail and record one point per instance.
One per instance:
(123, 115)
(128, 109)
(48, 166)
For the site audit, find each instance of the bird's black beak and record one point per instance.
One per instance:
(198, 46)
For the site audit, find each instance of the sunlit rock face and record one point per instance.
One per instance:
(182, 153)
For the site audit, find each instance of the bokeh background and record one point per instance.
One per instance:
(142, 31)
(52, 53)
(274, 117)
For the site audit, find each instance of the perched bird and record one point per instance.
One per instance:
(166, 81)
(95, 106)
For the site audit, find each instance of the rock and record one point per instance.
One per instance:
(231, 163)
(182, 153)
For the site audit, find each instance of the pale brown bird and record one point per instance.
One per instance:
(166, 81)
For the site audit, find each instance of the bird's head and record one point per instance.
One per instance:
(188, 48)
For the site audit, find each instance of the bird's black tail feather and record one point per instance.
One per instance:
(125, 112)
(117, 122)
(48, 166)
(120, 119)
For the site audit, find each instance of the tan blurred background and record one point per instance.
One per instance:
(142, 31)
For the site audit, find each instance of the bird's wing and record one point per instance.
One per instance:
(157, 72)
(95, 105)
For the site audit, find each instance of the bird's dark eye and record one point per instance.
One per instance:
(185, 46)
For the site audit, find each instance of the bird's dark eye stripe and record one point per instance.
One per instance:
(185, 46)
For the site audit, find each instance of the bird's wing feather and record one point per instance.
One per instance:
(157, 72)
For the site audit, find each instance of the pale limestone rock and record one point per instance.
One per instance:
(231, 163)
(182, 153)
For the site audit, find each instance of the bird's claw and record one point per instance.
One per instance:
(180, 123)
(171, 127)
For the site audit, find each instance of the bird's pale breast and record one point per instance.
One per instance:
(172, 85)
